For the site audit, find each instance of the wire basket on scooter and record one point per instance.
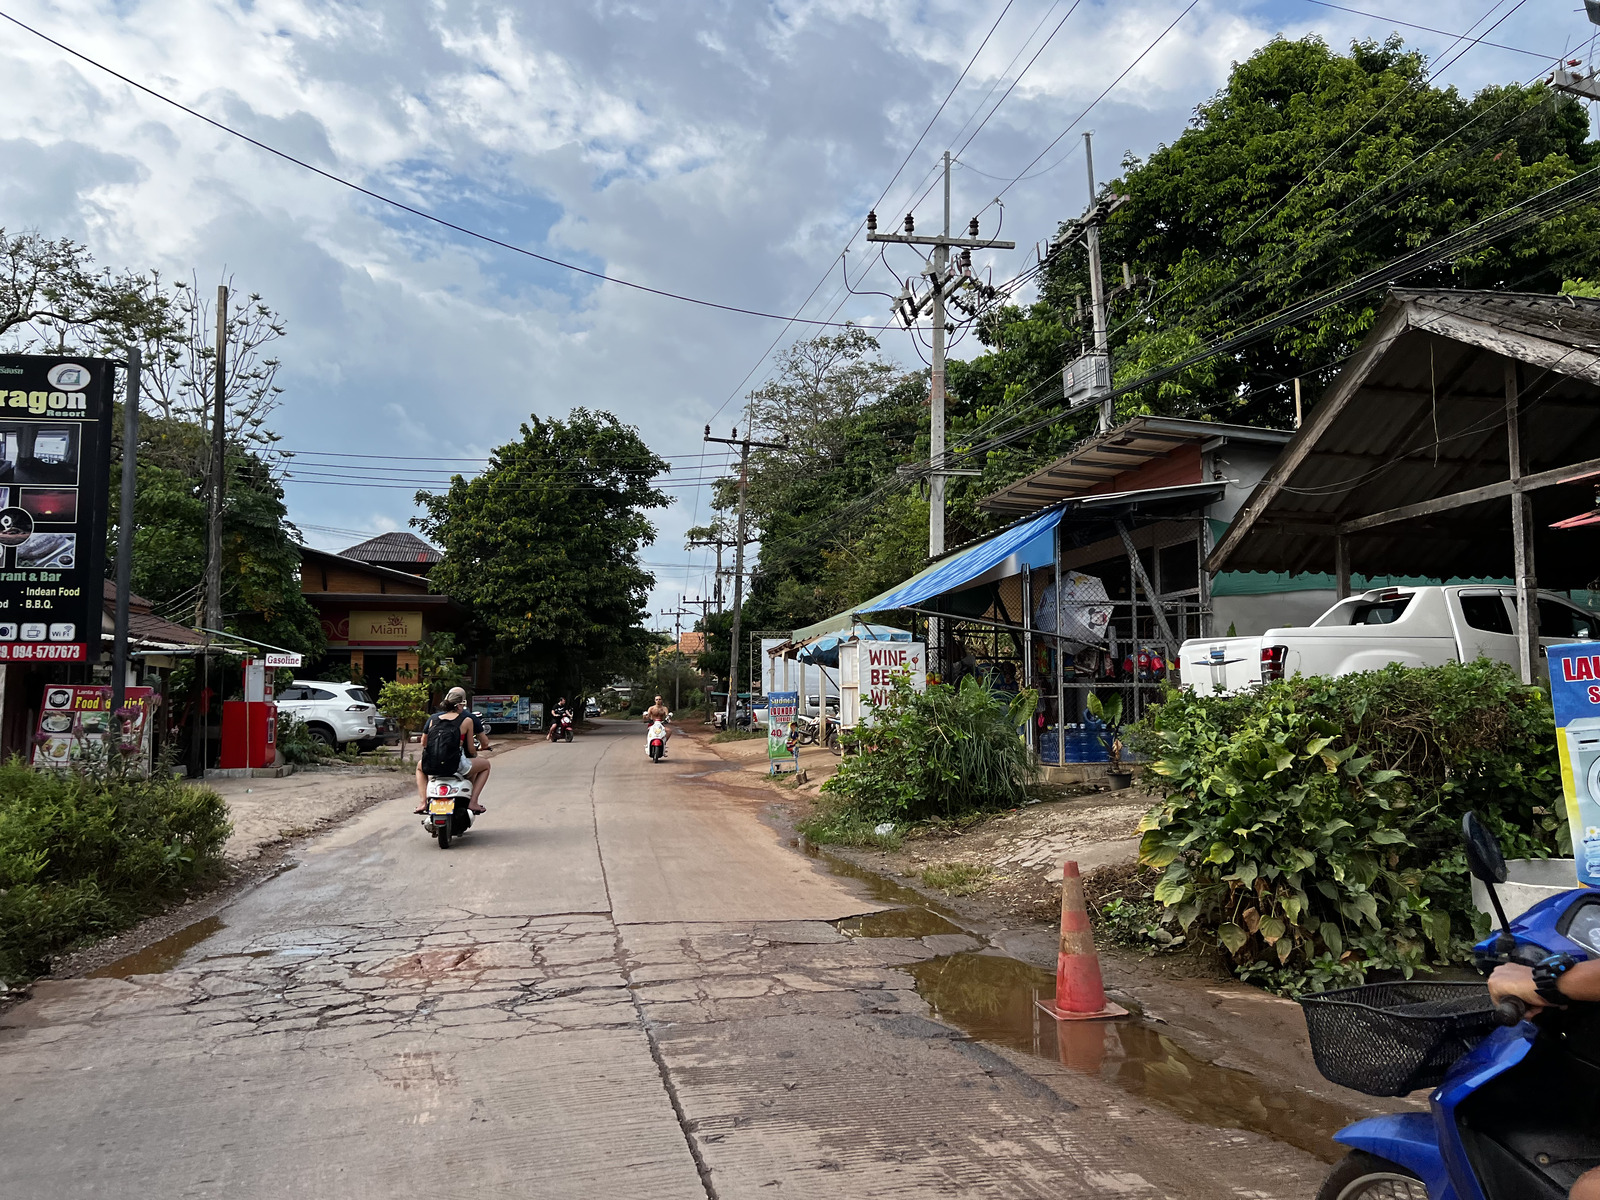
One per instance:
(1387, 1039)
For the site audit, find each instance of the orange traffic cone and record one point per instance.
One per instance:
(1080, 993)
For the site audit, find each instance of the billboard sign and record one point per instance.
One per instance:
(867, 670)
(278, 660)
(497, 710)
(1575, 693)
(55, 469)
(75, 721)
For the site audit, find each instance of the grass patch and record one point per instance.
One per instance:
(957, 879)
(832, 824)
(88, 852)
(737, 735)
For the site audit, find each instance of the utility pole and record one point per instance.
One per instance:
(1097, 287)
(943, 282)
(739, 544)
(219, 430)
(1087, 379)
(677, 653)
(130, 458)
(720, 543)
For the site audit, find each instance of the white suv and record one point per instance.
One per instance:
(335, 713)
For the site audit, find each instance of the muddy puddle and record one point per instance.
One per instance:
(160, 956)
(897, 923)
(992, 997)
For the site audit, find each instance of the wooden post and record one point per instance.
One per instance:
(1522, 535)
(1026, 674)
(1061, 670)
(1341, 566)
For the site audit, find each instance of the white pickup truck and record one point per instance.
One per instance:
(1417, 626)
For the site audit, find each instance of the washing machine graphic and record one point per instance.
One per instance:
(1583, 753)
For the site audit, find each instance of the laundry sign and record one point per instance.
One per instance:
(1575, 693)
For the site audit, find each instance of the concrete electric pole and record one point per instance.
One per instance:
(942, 282)
(1087, 379)
(1097, 287)
(739, 543)
(219, 433)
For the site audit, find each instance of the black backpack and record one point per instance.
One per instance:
(441, 747)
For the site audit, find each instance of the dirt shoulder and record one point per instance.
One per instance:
(1189, 998)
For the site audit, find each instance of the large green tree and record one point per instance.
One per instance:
(1310, 168)
(543, 546)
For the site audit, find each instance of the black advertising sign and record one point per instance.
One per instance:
(55, 470)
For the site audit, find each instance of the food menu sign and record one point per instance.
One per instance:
(55, 467)
(75, 723)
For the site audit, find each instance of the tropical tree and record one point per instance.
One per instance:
(543, 547)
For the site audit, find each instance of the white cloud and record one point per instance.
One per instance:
(717, 148)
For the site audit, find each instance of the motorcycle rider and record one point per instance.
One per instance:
(451, 711)
(561, 709)
(1580, 982)
(658, 712)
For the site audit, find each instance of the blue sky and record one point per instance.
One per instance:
(725, 150)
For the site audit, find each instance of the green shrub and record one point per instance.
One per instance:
(1312, 826)
(297, 744)
(942, 752)
(85, 853)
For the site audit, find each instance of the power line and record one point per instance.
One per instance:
(862, 224)
(1426, 28)
(421, 214)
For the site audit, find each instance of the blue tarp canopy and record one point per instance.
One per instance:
(825, 650)
(1020, 548)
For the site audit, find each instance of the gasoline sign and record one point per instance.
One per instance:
(55, 466)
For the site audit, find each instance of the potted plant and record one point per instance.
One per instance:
(1109, 714)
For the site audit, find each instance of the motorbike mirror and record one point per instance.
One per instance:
(1485, 859)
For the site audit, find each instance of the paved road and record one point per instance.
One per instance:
(621, 983)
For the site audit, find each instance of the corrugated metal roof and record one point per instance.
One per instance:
(1103, 457)
(1418, 413)
(394, 547)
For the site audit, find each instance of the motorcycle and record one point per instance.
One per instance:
(1515, 1108)
(448, 813)
(560, 727)
(808, 731)
(658, 741)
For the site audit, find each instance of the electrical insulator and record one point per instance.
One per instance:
(708, 431)
(966, 259)
(972, 227)
(911, 226)
(872, 222)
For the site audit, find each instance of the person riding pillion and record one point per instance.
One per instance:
(449, 734)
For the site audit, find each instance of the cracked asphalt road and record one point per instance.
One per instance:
(619, 983)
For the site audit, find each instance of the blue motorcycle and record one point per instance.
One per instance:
(1515, 1109)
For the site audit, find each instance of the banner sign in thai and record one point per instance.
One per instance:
(55, 467)
(781, 710)
(1575, 692)
(75, 722)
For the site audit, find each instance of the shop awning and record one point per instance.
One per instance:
(1020, 548)
(1010, 552)
(825, 649)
